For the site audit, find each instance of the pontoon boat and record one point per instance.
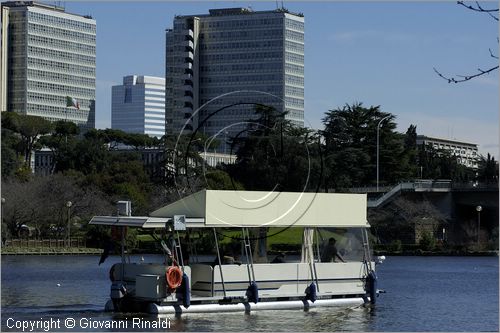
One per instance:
(254, 281)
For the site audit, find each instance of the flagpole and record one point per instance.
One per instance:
(66, 124)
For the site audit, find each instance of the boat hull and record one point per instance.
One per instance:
(175, 309)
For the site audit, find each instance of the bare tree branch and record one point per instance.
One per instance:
(465, 77)
(492, 55)
(480, 9)
(480, 72)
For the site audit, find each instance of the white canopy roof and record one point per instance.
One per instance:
(140, 221)
(260, 208)
(210, 208)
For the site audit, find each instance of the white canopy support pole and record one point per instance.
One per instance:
(307, 253)
(313, 261)
(179, 249)
(220, 263)
(247, 257)
(249, 246)
(317, 244)
(367, 252)
(123, 250)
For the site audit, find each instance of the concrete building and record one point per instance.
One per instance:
(465, 152)
(138, 106)
(245, 56)
(48, 60)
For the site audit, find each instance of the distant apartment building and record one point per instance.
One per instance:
(233, 59)
(465, 152)
(138, 105)
(48, 61)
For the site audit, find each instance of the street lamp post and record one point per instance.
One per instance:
(1, 218)
(478, 209)
(378, 144)
(3, 202)
(225, 139)
(68, 205)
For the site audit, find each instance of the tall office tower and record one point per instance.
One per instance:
(138, 106)
(231, 58)
(48, 62)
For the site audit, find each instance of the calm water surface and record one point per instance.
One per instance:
(423, 294)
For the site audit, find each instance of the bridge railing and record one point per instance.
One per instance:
(474, 186)
(421, 185)
(371, 189)
(429, 184)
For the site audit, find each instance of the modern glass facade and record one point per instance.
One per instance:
(138, 106)
(232, 59)
(50, 55)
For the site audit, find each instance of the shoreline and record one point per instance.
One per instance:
(420, 253)
(96, 251)
(49, 251)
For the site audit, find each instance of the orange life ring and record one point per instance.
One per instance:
(174, 277)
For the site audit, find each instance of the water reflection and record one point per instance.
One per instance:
(423, 294)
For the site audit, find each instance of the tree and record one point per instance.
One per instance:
(29, 129)
(350, 135)
(62, 142)
(402, 218)
(492, 13)
(41, 203)
(92, 154)
(220, 180)
(12, 159)
(441, 164)
(488, 169)
(410, 147)
(116, 137)
(181, 169)
(273, 154)
(120, 175)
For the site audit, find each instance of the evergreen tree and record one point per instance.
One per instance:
(29, 129)
(273, 154)
(350, 136)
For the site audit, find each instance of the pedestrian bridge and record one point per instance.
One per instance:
(422, 185)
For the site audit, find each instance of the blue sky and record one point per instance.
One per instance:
(377, 53)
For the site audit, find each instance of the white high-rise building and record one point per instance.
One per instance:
(48, 57)
(248, 57)
(138, 106)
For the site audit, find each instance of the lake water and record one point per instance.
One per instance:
(422, 294)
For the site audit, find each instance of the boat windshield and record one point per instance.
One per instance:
(348, 242)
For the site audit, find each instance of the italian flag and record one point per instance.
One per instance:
(72, 102)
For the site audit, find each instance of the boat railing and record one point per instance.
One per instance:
(274, 279)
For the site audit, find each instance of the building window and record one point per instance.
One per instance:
(128, 95)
